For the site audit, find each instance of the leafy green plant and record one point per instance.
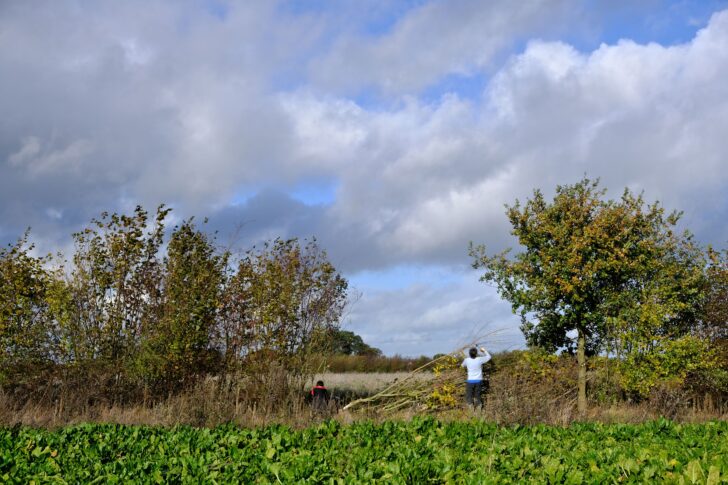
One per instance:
(420, 451)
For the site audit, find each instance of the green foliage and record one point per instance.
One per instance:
(586, 259)
(26, 343)
(177, 345)
(280, 298)
(113, 291)
(667, 361)
(614, 271)
(130, 316)
(420, 451)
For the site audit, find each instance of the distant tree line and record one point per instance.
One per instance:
(139, 309)
(335, 341)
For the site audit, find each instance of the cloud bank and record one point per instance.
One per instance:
(282, 122)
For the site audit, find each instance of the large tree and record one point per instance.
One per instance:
(593, 266)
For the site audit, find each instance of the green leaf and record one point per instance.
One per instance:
(270, 452)
(694, 472)
(713, 475)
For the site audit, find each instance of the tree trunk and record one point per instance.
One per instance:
(581, 362)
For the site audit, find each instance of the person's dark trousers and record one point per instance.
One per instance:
(320, 399)
(473, 393)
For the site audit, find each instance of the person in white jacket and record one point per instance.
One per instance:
(474, 361)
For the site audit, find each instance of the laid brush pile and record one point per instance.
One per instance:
(522, 387)
(432, 387)
(435, 386)
(526, 387)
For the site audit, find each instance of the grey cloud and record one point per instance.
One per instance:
(266, 215)
(110, 104)
(434, 40)
(273, 213)
(38, 160)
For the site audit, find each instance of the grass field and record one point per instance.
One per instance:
(362, 383)
(418, 451)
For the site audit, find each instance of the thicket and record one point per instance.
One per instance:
(534, 386)
(141, 313)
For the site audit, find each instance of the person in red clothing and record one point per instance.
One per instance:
(319, 396)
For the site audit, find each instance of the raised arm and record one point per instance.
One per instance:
(484, 355)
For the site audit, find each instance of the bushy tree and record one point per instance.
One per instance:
(597, 267)
(278, 298)
(715, 312)
(111, 293)
(26, 335)
(129, 314)
(178, 344)
(713, 325)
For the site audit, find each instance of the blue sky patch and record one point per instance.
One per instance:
(403, 276)
(320, 192)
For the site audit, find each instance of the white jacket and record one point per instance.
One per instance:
(475, 366)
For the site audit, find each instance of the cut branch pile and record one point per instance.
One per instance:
(415, 390)
(434, 386)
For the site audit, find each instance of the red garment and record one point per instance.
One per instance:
(313, 391)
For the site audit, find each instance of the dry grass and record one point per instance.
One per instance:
(210, 407)
(244, 401)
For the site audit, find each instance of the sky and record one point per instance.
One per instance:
(393, 131)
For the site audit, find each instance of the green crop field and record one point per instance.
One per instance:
(420, 451)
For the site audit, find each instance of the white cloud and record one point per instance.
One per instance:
(110, 104)
(421, 180)
(28, 151)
